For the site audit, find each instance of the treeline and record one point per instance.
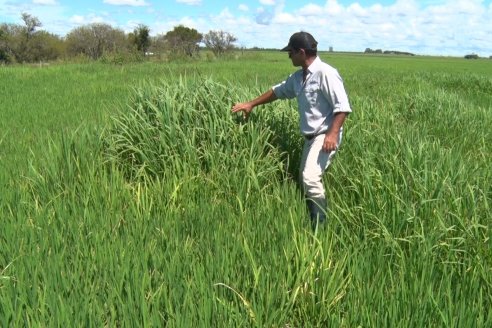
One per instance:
(387, 52)
(28, 43)
(474, 56)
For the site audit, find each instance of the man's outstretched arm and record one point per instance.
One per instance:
(247, 107)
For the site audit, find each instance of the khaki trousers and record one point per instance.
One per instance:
(314, 163)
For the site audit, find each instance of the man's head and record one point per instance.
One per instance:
(304, 41)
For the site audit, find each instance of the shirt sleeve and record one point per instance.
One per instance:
(334, 90)
(285, 89)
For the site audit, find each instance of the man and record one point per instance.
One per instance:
(323, 106)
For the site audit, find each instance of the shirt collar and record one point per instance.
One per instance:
(314, 65)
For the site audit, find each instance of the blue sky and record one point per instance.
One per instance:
(427, 27)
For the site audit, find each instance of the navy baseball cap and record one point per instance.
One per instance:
(301, 40)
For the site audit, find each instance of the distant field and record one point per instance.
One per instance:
(132, 197)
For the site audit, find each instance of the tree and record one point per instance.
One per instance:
(183, 40)
(158, 44)
(44, 46)
(95, 39)
(10, 40)
(219, 42)
(141, 38)
(31, 23)
(23, 43)
(4, 47)
(29, 31)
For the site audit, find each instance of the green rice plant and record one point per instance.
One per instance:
(415, 191)
(186, 128)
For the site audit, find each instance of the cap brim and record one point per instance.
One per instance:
(287, 48)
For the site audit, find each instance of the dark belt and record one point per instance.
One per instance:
(312, 136)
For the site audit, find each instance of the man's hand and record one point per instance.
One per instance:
(331, 137)
(331, 142)
(246, 108)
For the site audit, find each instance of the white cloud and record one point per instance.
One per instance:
(377, 8)
(89, 19)
(310, 10)
(333, 8)
(201, 25)
(287, 19)
(134, 3)
(225, 15)
(77, 19)
(268, 2)
(243, 7)
(44, 2)
(457, 8)
(190, 2)
(357, 10)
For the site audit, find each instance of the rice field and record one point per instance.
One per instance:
(131, 196)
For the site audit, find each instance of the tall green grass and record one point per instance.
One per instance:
(184, 128)
(166, 210)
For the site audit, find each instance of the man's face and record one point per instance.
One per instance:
(297, 56)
